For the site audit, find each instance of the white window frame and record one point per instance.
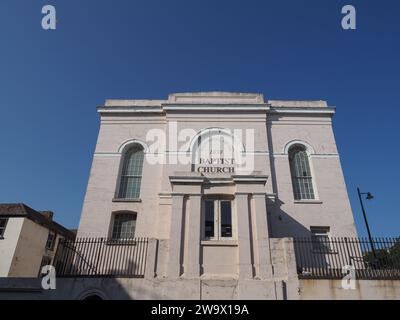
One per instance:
(321, 232)
(114, 221)
(300, 195)
(217, 219)
(121, 175)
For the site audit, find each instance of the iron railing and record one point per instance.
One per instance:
(326, 258)
(101, 257)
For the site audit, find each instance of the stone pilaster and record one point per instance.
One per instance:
(243, 233)
(175, 237)
(194, 236)
(262, 247)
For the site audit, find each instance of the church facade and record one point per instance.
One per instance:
(216, 196)
(215, 177)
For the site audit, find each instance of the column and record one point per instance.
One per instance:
(194, 236)
(175, 237)
(243, 231)
(262, 236)
(151, 259)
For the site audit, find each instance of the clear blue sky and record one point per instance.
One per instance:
(51, 82)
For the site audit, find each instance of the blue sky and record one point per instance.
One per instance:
(51, 82)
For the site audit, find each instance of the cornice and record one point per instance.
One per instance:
(303, 110)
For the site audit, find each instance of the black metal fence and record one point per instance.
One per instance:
(325, 258)
(101, 257)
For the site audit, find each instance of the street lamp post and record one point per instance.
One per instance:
(369, 197)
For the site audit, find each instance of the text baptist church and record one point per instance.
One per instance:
(220, 165)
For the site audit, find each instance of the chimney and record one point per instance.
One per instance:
(48, 214)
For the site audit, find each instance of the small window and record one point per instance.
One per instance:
(3, 224)
(124, 226)
(51, 241)
(217, 219)
(320, 239)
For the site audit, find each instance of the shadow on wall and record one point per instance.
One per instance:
(127, 269)
(78, 289)
(114, 283)
(310, 255)
(111, 289)
(282, 224)
(117, 284)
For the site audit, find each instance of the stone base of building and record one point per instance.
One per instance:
(143, 289)
(199, 289)
(364, 290)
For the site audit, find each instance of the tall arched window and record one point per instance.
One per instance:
(301, 173)
(131, 174)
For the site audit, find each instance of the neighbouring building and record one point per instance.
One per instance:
(28, 240)
(218, 195)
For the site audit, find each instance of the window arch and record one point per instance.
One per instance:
(93, 297)
(124, 225)
(217, 143)
(301, 173)
(92, 294)
(131, 173)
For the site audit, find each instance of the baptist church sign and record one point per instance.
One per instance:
(215, 153)
(220, 165)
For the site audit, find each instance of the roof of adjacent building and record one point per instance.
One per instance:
(44, 218)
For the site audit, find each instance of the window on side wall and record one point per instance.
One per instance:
(301, 173)
(124, 226)
(131, 174)
(3, 225)
(51, 239)
(320, 239)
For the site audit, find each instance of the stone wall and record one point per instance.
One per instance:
(365, 290)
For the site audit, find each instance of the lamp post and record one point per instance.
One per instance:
(369, 197)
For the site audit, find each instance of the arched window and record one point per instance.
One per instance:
(124, 225)
(131, 174)
(301, 173)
